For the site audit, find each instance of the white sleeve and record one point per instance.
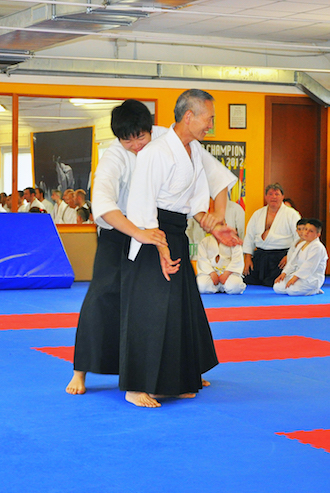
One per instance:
(237, 260)
(310, 264)
(146, 182)
(218, 176)
(106, 184)
(204, 265)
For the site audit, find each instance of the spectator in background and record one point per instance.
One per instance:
(70, 213)
(80, 201)
(82, 215)
(40, 194)
(3, 200)
(32, 201)
(59, 207)
(269, 234)
(21, 202)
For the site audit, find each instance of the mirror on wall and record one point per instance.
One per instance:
(60, 141)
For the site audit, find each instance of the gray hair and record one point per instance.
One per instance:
(190, 100)
(274, 186)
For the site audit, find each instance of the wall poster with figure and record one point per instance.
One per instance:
(63, 159)
(232, 155)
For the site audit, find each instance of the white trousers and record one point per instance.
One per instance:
(233, 285)
(301, 287)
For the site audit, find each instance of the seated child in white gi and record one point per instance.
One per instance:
(219, 267)
(304, 274)
(301, 231)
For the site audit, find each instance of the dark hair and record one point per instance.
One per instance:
(302, 222)
(30, 189)
(84, 213)
(315, 222)
(21, 193)
(130, 119)
(37, 209)
(274, 186)
(41, 191)
(290, 202)
(190, 100)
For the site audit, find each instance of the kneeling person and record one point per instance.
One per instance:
(304, 274)
(219, 267)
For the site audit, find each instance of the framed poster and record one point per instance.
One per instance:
(232, 155)
(237, 116)
(63, 159)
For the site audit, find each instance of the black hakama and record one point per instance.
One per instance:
(98, 332)
(166, 342)
(265, 267)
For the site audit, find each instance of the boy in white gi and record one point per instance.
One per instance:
(219, 267)
(300, 231)
(304, 274)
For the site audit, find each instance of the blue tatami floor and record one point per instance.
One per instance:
(226, 440)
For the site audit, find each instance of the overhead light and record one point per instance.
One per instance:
(111, 22)
(2, 108)
(81, 102)
(126, 13)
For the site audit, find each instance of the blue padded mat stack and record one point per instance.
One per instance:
(31, 253)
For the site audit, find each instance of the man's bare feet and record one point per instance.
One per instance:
(141, 399)
(205, 383)
(188, 395)
(77, 383)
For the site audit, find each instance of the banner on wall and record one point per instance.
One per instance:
(63, 159)
(232, 155)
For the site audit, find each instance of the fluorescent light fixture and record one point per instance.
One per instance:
(81, 102)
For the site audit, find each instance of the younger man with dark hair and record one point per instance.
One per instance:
(304, 274)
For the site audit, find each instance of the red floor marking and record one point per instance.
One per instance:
(242, 313)
(267, 312)
(62, 352)
(240, 350)
(270, 348)
(39, 321)
(315, 438)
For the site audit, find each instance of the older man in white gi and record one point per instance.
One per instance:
(269, 234)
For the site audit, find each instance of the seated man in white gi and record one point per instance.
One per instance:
(304, 274)
(269, 234)
(235, 217)
(219, 267)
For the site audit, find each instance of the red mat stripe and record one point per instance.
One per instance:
(316, 438)
(38, 321)
(240, 350)
(244, 313)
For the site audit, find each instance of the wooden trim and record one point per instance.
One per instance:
(76, 228)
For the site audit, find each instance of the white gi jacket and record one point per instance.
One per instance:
(231, 258)
(58, 211)
(235, 217)
(308, 264)
(35, 203)
(114, 171)
(165, 177)
(281, 234)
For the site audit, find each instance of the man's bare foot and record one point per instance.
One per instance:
(141, 399)
(205, 383)
(188, 395)
(77, 383)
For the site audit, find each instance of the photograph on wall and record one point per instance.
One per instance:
(63, 159)
(232, 155)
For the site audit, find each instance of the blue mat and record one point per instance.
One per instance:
(31, 253)
(222, 441)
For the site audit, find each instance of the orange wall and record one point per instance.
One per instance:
(253, 135)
